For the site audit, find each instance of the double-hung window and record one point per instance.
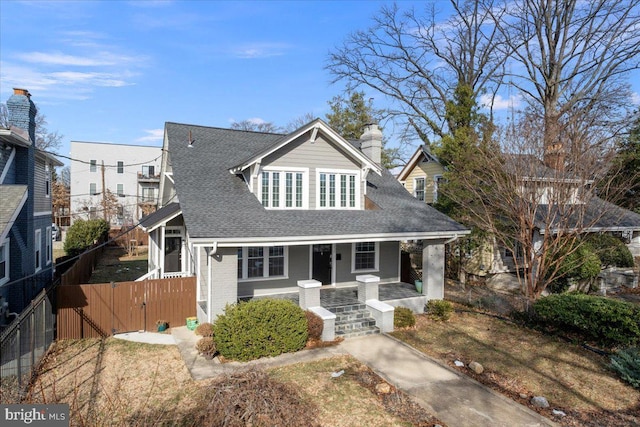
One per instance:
(120, 166)
(258, 262)
(437, 180)
(338, 190)
(47, 180)
(93, 166)
(92, 188)
(418, 188)
(365, 256)
(283, 189)
(48, 245)
(4, 262)
(120, 190)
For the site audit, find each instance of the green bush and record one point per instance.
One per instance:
(403, 317)
(605, 321)
(204, 330)
(627, 364)
(259, 328)
(82, 234)
(439, 309)
(611, 250)
(582, 264)
(315, 325)
(206, 346)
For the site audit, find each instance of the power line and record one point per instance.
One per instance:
(110, 166)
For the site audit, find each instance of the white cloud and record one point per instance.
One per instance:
(260, 50)
(635, 98)
(58, 58)
(153, 135)
(500, 103)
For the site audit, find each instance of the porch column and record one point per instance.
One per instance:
(223, 280)
(309, 293)
(433, 271)
(367, 287)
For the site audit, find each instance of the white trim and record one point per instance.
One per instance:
(163, 222)
(282, 186)
(265, 266)
(47, 181)
(312, 240)
(376, 267)
(43, 213)
(7, 227)
(6, 247)
(37, 250)
(7, 165)
(340, 172)
(424, 187)
(48, 246)
(333, 263)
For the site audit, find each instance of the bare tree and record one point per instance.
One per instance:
(570, 62)
(538, 213)
(256, 126)
(418, 62)
(299, 122)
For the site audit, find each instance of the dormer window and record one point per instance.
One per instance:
(284, 189)
(338, 189)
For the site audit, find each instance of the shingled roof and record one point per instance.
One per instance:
(217, 204)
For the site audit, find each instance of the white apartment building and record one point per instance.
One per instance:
(118, 182)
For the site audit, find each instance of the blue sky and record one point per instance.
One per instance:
(117, 71)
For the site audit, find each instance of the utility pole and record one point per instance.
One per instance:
(104, 195)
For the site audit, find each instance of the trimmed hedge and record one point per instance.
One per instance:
(605, 321)
(403, 317)
(260, 328)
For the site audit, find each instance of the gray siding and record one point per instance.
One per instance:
(42, 203)
(298, 270)
(303, 154)
(224, 284)
(388, 263)
(4, 156)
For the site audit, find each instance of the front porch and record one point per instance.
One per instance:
(355, 310)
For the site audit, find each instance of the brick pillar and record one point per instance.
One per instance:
(433, 271)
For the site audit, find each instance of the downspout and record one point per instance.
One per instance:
(212, 251)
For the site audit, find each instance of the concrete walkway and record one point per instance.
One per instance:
(449, 395)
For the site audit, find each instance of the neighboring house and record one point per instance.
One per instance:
(421, 175)
(131, 173)
(254, 214)
(26, 264)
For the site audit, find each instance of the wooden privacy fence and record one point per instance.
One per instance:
(81, 270)
(88, 311)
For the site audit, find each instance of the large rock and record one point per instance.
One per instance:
(540, 402)
(476, 367)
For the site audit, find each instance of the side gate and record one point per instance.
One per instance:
(101, 310)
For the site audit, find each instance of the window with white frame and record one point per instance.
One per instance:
(37, 245)
(120, 166)
(365, 256)
(148, 194)
(283, 189)
(120, 190)
(258, 262)
(4, 262)
(48, 246)
(93, 166)
(92, 188)
(338, 190)
(418, 188)
(148, 171)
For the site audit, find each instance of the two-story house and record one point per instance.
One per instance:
(253, 214)
(422, 174)
(26, 264)
(130, 173)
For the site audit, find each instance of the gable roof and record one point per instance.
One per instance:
(218, 205)
(13, 198)
(422, 151)
(314, 127)
(159, 217)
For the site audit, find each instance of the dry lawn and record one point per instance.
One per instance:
(115, 382)
(115, 265)
(518, 360)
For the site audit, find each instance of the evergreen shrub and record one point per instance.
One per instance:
(611, 250)
(82, 234)
(439, 309)
(608, 322)
(627, 364)
(260, 328)
(403, 317)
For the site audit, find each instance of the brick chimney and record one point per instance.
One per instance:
(22, 112)
(371, 143)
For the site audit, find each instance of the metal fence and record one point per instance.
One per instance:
(23, 344)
